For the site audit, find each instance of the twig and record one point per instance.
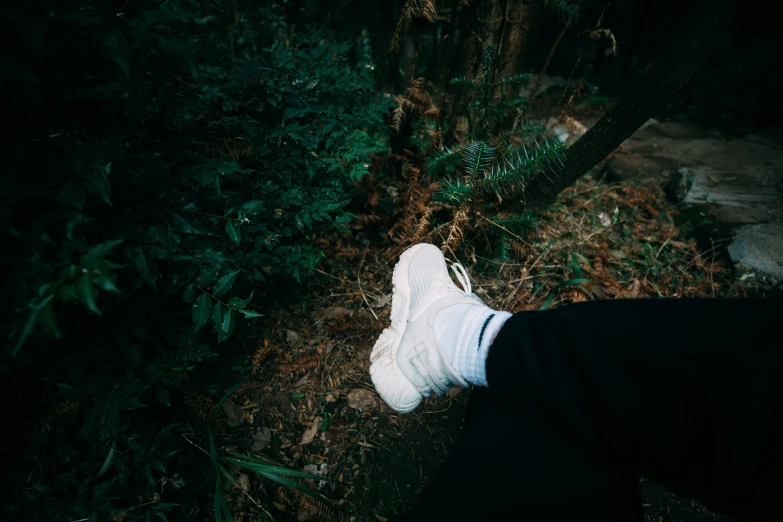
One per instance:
(505, 229)
(514, 292)
(328, 275)
(196, 445)
(663, 245)
(359, 282)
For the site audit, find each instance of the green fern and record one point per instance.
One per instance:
(515, 80)
(453, 192)
(446, 158)
(513, 175)
(501, 246)
(566, 9)
(464, 83)
(478, 157)
(517, 223)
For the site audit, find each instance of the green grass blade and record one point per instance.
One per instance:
(225, 397)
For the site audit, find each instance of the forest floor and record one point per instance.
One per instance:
(311, 405)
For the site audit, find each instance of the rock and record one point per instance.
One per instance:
(233, 413)
(261, 439)
(740, 195)
(634, 166)
(760, 249)
(243, 482)
(361, 399)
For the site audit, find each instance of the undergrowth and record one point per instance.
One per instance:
(165, 163)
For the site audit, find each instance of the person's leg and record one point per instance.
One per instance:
(510, 464)
(685, 391)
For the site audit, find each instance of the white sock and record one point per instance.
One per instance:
(465, 332)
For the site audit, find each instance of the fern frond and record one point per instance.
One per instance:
(415, 102)
(412, 9)
(530, 128)
(464, 83)
(517, 223)
(478, 157)
(565, 9)
(501, 247)
(453, 192)
(513, 175)
(515, 80)
(445, 158)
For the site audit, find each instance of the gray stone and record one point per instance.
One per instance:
(759, 247)
(635, 166)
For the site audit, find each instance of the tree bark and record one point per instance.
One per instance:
(508, 25)
(681, 52)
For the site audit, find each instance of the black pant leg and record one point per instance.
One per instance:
(510, 464)
(687, 392)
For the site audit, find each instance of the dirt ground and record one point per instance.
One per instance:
(309, 404)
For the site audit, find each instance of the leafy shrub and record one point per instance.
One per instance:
(161, 169)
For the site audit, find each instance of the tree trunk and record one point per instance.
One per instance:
(508, 25)
(699, 30)
(382, 19)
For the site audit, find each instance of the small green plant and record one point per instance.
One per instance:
(500, 154)
(283, 476)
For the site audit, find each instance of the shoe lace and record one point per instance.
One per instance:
(462, 276)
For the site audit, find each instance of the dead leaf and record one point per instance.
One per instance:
(381, 519)
(243, 482)
(303, 511)
(292, 337)
(712, 178)
(279, 506)
(261, 439)
(361, 399)
(605, 219)
(302, 381)
(453, 392)
(330, 398)
(233, 413)
(309, 434)
(335, 312)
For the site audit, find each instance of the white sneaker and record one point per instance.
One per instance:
(407, 361)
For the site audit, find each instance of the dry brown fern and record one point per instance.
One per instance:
(414, 203)
(66, 407)
(456, 231)
(300, 364)
(198, 408)
(318, 509)
(362, 220)
(412, 9)
(236, 147)
(415, 102)
(263, 352)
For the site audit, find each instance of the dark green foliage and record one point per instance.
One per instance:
(482, 173)
(498, 158)
(494, 161)
(565, 9)
(162, 165)
(492, 103)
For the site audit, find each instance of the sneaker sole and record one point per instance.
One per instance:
(394, 388)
